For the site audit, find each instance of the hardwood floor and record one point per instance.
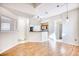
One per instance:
(42, 49)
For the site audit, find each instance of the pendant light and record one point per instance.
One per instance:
(67, 17)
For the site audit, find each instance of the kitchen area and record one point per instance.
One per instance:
(38, 32)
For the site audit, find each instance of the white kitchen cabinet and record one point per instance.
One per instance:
(44, 36)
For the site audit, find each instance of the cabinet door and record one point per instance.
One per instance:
(44, 36)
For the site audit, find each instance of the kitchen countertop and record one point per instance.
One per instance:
(40, 31)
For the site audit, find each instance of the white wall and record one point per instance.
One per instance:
(52, 25)
(70, 29)
(10, 39)
(7, 39)
(21, 27)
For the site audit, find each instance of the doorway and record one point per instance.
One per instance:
(58, 30)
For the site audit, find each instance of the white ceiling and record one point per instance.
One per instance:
(53, 10)
(43, 10)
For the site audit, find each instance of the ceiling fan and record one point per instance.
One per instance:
(35, 4)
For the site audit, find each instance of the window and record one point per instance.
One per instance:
(5, 26)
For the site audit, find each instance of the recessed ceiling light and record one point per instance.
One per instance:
(57, 5)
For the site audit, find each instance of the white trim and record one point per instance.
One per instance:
(9, 48)
(71, 43)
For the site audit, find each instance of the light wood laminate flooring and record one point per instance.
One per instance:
(42, 49)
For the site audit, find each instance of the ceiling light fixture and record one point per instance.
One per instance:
(67, 11)
(57, 5)
(67, 17)
(36, 17)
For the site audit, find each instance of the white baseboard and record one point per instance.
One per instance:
(71, 43)
(8, 48)
(53, 44)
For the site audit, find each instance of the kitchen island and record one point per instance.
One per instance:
(38, 36)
